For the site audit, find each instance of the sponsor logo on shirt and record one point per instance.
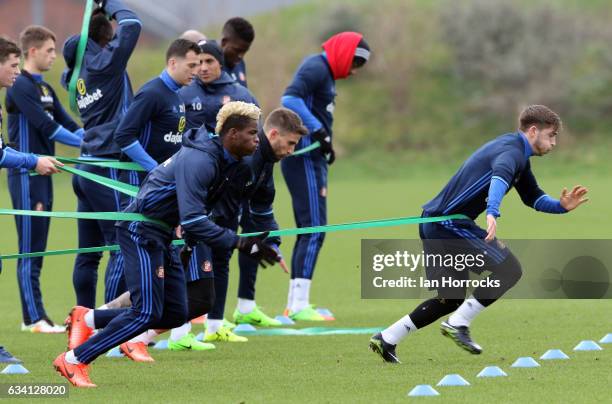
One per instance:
(46, 96)
(242, 76)
(330, 107)
(174, 138)
(85, 100)
(226, 99)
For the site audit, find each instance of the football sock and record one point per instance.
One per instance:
(145, 337)
(212, 326)
(246, 306)
(290, 294)
(464, 315)
(179, 332)
(89, 319)
(301, 294)
(399, 330)
(71, 358)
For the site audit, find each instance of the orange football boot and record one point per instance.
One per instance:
(136, 351)
(78, 331)
(75, 374)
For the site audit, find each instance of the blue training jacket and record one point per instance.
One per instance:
(36, 117)
(154, 121)
(312, 92)
(238, 72)
(505, 158)
(260, 193)
(104, 91)
(184, 189)
(203, 101)
(254, 190)
(10, 158)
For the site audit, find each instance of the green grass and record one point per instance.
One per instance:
(340, 368)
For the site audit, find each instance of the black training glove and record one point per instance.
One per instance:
(256, 248)
(325, 142)
(324, 139)
(186, 255)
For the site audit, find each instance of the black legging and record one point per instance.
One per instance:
(200, 297)
(507, 273)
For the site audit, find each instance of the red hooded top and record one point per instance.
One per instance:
(340, 50)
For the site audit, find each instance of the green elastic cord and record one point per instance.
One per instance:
(122, 187)
(115, 216)
(303, 230)
(358, 225)
(79, 56)
(306, 149)
(121, 165)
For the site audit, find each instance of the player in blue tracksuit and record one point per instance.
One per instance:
(250, 204)
(250, 189)
(203, 99)
(311, 94)
(479, 186)
(181, 191)
(36, 120)
(104, 93)
(151, 129)
(212, 89)
(236, 40)
(10, 158)
(282, 131)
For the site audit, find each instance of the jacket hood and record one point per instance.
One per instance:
(69, 52)
(223, 80)
(199, 138)
(340, 50)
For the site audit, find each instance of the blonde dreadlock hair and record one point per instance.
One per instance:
(233, 108)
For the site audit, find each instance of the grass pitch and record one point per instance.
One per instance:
(341, 368)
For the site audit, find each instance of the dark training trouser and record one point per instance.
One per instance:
(306, 178)
(247, 264)
(203, 259)
(220, 264)
(461, 237)
(93, 197)
(156, 281)
(200, 282)
(31, 193)
(134, 178)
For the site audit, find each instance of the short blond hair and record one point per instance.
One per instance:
(237, 109)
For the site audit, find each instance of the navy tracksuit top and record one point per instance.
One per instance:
(184, 189)
(35, 115)
(505, 157)
(156, 119)
(203, 101)
(104, 91)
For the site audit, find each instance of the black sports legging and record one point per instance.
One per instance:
(448, 300)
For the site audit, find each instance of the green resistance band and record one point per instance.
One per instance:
(287, 232)
(121, 165)
(122, 187)
(115, 216)
(72, 86)
(306, 149)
